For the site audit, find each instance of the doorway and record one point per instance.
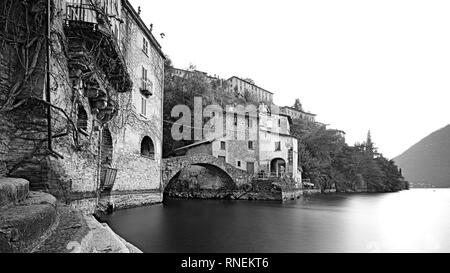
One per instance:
(277, 167)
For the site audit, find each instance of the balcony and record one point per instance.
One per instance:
(85, 13)
(273, 175)
(94, 52)
(146, 88)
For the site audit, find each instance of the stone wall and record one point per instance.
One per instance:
(200, 182)
(237, 139)
(71, 173)
(238, 151)
(6, 72)
(203, 178)
(23, 129)
(195, 183)
(23, 143)
(137, 172)
(77, 170)
(263, 190)
(116, 201)
(172, 167)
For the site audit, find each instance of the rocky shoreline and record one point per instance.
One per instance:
(35, 222)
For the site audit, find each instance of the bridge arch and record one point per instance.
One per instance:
(233, 176)
(191, 179)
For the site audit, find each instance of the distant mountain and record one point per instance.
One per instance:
(428, 161)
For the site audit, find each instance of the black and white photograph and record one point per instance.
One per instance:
(244, 128)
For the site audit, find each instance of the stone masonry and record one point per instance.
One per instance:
(97, 122)
(172, 166)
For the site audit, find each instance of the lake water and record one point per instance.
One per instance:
(410, 221)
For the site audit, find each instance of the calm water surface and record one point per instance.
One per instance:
(409, 221)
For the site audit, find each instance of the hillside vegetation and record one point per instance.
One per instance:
(331, 163)
(324, 157)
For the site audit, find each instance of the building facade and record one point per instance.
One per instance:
(297, 114)
(244, 88)
(278, 149)
(97, 135)
(256, 140)
(185, 74)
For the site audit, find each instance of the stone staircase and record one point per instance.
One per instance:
(34, 222)
(28, 219)
(25, 217)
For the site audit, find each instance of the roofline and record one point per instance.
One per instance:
(142, 25)
(299, 110)
(287, 116)
(250, 84)
(195, 70)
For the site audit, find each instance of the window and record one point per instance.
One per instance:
(143, 106)
(248, 120)
(82, 119)
(223, 159)
(250, 167)
(144, 74)
(145, 46)
(279, 122)
(278, 146)
(235, 119)
(146, 84)
(147, 148)
(250, 145)
(222, 145)
(238, 163)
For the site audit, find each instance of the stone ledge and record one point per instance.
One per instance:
(76, 233)
(104, 240)
(22, 227)
(116, 201)
(71, 235)
(89, 194)
(12, 191)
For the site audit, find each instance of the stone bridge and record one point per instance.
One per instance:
(173, 166)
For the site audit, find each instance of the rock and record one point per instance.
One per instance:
(23, 226)
(13, 191)
(3, 170)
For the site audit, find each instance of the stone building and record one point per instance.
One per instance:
(253, 139)
(184, 74)
(243, 88)
(278, 149)
(97, 133)
(297, 114)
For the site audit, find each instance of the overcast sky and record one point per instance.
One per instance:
(382, 65)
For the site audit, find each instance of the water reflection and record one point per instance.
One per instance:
(410, 221)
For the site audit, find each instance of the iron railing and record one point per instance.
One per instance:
(268, 175)
(81, 13)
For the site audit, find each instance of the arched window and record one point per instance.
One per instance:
(82, 118)
(147, 148)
